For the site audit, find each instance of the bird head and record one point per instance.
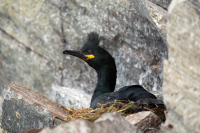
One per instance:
(91, 53)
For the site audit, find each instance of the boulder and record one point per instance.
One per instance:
(32, 130)
(162, 3)
(24, 109)
(181, 71)
(34, 33)
(28, 32)
(27, 111)
(156, 15)
(107, 123)
(146, 121)
(70, 97)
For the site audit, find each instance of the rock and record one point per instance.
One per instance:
(34, 33)
(181, 70)
(24, 109)
(158, 94)
(107, 123)
(32, 131)
(167, 127)
(146, 121)
(28, 32)
(163, 3)
(156, 15)
(71, 97)
(131, 39)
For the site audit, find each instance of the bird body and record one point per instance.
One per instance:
(132, 93)
(105, 66)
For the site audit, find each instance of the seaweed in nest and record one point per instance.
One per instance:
(122, 107)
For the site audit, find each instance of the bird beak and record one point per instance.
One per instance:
(75, 53)
(78, 54)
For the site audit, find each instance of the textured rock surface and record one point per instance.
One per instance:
(158, 94)
(167, 127)
(24, 109)
(34, 33)
(181, 70)
(71, 97)
(78, 98)
(133, 41)
(107, 123)
(156, 15)
(163, 3)
(146, 121)
(30, 48)
(32, 130)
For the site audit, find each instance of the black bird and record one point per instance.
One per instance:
(104, 64)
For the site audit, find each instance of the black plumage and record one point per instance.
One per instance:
(104, 64)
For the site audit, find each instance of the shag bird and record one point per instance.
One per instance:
(104, 64)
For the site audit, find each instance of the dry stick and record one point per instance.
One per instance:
(91, 115)
(57, 118)
(125, 108)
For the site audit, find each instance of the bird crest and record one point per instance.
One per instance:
(92, 39)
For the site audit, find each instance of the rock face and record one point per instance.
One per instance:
(30, 46)
(146, 121)
(34, 33)
(24, 109)
(163, 3)
(181, 70)
(71, 97)
(156, 15)
(107, 123)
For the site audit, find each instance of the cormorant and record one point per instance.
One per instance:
(104, 64)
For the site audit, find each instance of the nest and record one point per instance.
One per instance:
(122, 107)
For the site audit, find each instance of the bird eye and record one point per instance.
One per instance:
(90, 52)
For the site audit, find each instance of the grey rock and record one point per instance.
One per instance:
(71, 97)
(181, 70)
(34, 34)
(24, 109)
(167, 127)
(107, 123)
(29, 44)
(146, 121)
(158, 94)
(32, 130)
(131, 39)
(156, 15)
(163, 3)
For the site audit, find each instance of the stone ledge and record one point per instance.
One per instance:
(24, 109)
(107, 123)
(70, 97)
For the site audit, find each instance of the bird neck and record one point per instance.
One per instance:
(106, 80)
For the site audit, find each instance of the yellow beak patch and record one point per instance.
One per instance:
(91, 56)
